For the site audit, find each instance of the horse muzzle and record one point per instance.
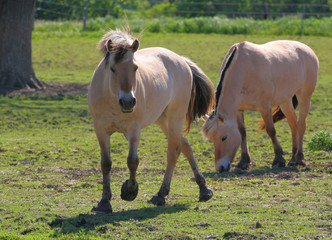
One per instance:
(127, 102)
(223, 165)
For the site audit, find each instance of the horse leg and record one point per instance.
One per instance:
(278, 161)
(304, 106)
(106, 164)
(129, 188)
(174, 149)
(289, 111)
(245, 157)
(205, 193)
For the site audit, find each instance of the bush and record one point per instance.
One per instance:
(321, 141)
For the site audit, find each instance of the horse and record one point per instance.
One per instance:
(131, 89)
(271, 78)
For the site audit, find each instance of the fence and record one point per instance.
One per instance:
(81, 10)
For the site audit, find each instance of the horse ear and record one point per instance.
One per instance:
(134, 46)
(221, 118)
(109, 45)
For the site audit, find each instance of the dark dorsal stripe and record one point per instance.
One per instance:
(222, 76)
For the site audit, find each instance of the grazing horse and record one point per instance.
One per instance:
(132, 89)
(272, 79)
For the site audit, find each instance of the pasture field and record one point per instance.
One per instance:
(50, 174)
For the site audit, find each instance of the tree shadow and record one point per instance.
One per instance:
(96, 221)
(252, 173)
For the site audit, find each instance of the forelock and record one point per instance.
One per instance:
(209, 127)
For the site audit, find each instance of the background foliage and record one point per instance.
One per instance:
(73, 9)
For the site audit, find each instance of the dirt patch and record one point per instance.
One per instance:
(50, 90)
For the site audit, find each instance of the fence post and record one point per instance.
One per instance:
(85, 14)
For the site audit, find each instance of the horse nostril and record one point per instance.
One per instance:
(224, 168)
(228, 167)
(134, 101)
(121, 102)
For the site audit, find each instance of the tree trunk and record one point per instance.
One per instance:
(16, 24)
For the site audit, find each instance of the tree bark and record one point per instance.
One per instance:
(16, 24)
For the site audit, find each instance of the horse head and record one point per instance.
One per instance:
(123, 68)
(226, 139)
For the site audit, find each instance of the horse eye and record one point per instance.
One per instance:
(135, 69)
(112, 70)
(224, 138)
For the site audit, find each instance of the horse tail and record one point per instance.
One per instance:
(277, 114)
(202, 95)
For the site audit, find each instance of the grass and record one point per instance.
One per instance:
(49, 160)
(291, 25)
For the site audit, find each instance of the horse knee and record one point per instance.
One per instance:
(132, 163)
(106, 166)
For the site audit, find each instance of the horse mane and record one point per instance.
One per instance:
(121, 42)
(223, 69)
(210, 124)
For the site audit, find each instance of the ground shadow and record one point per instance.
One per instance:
(253, 173)
(87, 222)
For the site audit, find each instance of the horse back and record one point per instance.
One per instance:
(279, 64)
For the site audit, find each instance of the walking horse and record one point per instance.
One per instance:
(132, 89)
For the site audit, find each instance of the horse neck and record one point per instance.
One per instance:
(230, 98)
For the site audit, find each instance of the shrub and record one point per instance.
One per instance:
(321, 141)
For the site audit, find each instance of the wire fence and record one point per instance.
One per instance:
(82, 10)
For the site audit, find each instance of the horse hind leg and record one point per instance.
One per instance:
(174, 149)
(205, 193)
(288, 109)
(129, 189)
(278, 161)
(245, 156)
(304, 106)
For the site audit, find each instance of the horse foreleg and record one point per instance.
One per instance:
(245, 156)
(278, 161)
(205, 193)
(289, 111)
(173, 152)
(129, 188)
(106, 164)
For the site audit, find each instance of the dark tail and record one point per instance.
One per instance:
(277, 114)
(202, 95)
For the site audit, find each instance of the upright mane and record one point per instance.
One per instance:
(223, 69)
(116, 42)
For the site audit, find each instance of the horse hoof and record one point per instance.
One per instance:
(205, 195)
(103, 206)
(293, 163)
(243, 166)
(157, 200)
(279, 162)
(129, 190)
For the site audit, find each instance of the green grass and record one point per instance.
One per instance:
(218, 24)
(50, 174)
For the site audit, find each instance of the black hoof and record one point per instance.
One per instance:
(157, 200)
(293, 163)
(244, 162)
(103, 206)
(243, 165)
(129, 190)
(205, 195)
(279, 162)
